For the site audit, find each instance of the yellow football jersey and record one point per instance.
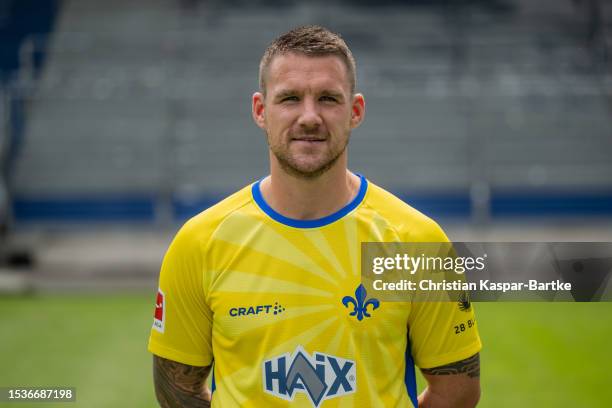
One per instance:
(273, 302)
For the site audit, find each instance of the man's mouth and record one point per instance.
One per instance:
(308, 139)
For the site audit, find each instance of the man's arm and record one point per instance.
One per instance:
(455, 385)
(180, 385)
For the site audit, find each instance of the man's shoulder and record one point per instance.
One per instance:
(410, 223)
(204, 223)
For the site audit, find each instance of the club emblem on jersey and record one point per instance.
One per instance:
(464, 302)
(320, 376)
(160, 310)
(360, 303)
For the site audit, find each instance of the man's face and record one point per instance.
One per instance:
(308, 112)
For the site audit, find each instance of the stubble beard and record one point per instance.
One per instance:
(292, 167)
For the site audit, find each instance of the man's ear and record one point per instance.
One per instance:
(357, 110)
(258, 110)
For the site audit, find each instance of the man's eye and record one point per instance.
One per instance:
(328, 99)
(289, 99)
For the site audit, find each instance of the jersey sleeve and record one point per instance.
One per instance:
(182, 327)
(441, 332)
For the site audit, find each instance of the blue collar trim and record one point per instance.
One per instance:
(320, 222)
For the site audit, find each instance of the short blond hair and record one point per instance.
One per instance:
(310, 40)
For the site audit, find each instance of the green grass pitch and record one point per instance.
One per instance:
(535, 354)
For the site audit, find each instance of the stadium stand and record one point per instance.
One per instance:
(142, 110)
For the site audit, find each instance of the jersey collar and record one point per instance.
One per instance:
(320, 222)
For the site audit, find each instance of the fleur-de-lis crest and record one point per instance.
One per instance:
(360, 304)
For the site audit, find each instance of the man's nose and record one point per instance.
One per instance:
(309, 116)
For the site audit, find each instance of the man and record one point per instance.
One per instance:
(262, 284)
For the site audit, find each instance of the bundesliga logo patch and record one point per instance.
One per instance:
(320, 376)
(160, 307)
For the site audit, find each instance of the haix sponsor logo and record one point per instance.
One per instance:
(275, 309)
(320, 376)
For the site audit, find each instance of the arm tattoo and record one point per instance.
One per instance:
(469, 366)
(179, 385)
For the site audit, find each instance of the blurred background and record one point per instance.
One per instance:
(122, 119)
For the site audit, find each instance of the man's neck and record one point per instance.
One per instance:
(310, 199)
